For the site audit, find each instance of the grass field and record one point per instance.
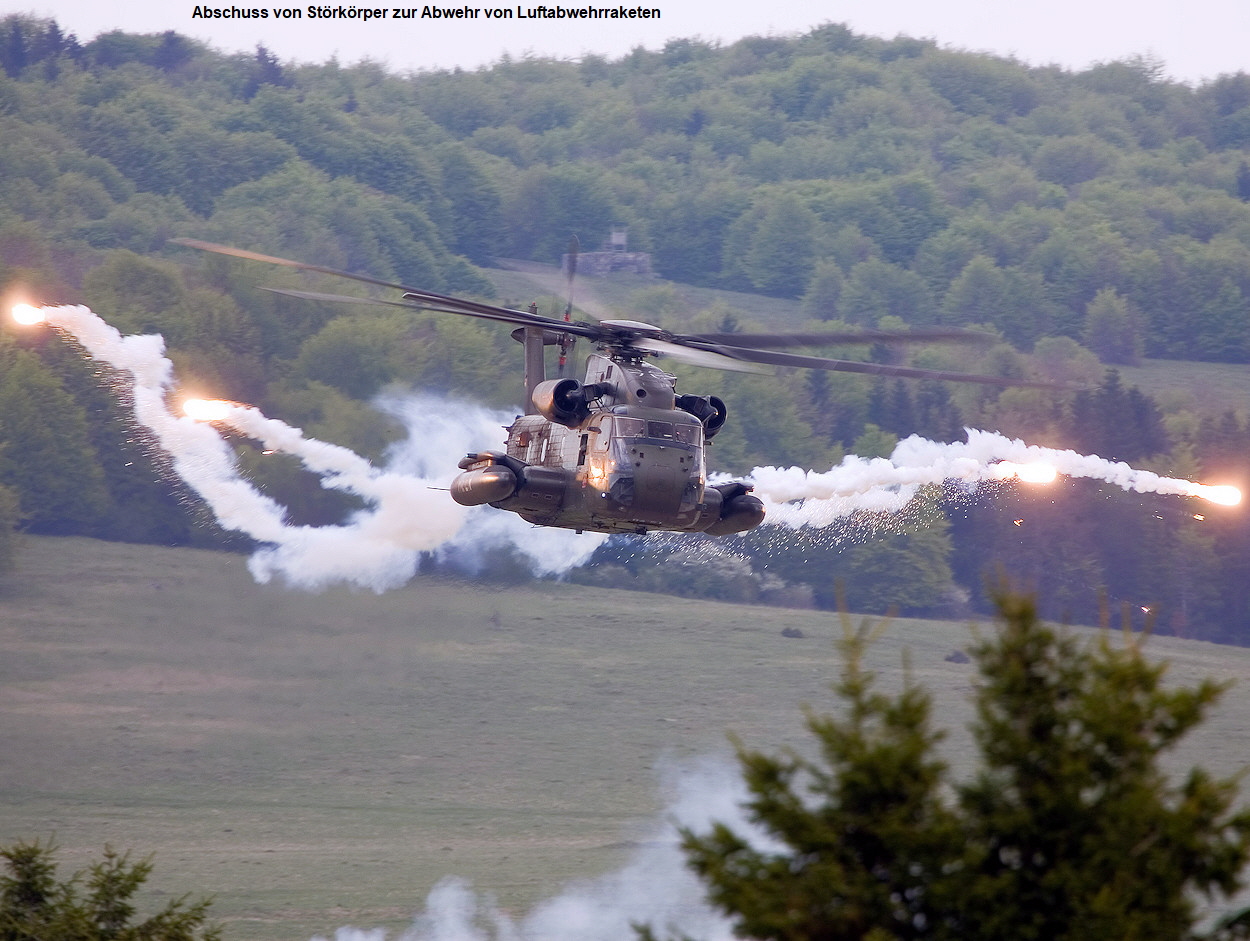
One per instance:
(1203, 387)
(321, 760)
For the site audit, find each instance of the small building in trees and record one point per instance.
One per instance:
(613, 255)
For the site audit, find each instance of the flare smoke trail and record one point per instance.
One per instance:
(795, 497)
(408, 511)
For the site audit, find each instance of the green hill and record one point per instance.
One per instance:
(1087, 219)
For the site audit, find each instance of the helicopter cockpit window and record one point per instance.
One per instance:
(625, 427)
(688, 434)
(630, 427)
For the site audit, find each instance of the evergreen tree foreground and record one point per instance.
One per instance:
(1070, 829)
(95, 905)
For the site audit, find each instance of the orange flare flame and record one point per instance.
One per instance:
(1035, 473)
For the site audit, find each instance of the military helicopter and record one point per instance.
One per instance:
(619, 451)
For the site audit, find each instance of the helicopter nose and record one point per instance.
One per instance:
(660, 477)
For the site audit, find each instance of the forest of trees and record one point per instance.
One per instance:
(1087, 219)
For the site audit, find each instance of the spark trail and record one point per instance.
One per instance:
(795, 497)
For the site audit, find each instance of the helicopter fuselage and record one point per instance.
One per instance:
(596, 458)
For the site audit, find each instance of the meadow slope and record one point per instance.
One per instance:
(316, 760)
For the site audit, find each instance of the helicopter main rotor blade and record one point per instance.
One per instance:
(379, 302)
(880, 369)
(376, 302)
(718, 350)
(286, 262)
(778, 340)
(427, 300)
(696, 356)
(338, 298)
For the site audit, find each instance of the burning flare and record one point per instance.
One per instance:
(209, 410)
(1223, 494)
(26, 315)
(1037, 472)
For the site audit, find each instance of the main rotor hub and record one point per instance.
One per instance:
(636, 328)
(619, 338)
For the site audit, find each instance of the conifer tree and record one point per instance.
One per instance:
(864, 857)
(35, 906)
(1070, 830)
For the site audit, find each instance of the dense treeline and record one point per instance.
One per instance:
(1086, 219)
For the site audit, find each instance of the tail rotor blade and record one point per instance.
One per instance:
(567, 340)
(574, 250)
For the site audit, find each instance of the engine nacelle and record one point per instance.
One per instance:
(709, 409)
(536, 493)
(739, 510)
(483, 485)
(540, 493)
(563, 401)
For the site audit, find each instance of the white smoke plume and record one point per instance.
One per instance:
(408, 510)
(795, 497)
(653, 888)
